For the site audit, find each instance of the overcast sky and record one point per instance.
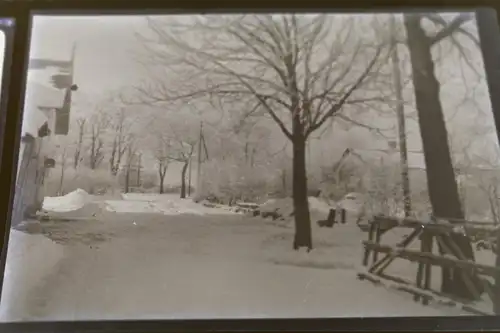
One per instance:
(104, 58)
(105, 62)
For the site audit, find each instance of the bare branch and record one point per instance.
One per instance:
(320, 119)
(450, 28)
(286, 66)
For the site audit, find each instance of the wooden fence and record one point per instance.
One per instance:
(378, 257)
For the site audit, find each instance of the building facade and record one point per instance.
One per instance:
(38, 124)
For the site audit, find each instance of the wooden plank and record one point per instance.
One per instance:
(381, 265)
(440, 221)
(427, 243)
(433, 259)
(371, 233)
(387, 222)
(424, 294)
(378, 237)
(432, 291)
(469, 222)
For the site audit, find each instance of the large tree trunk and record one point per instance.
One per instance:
(441, 181)
(303, 236)
(183, 180)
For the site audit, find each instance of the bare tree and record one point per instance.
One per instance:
(162, 158)
(98, 124)
(300, 71)
(79, 143)
(120, 142)
(181, 150)
(441, 181)
(132, 149)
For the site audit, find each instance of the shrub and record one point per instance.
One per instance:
(92, 181)
(149, 181)
(228, 181)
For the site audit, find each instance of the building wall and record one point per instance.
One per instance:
(28, 195)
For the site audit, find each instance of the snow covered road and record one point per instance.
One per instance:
(155, 266)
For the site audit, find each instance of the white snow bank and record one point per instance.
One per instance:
(319, 206)
(140, 197)
(165, 204)
(29, 259)
(130, 206)
(285, 206)
(67, 203)
(188, 206)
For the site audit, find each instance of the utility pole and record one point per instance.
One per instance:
(198, 172)
(403, 147)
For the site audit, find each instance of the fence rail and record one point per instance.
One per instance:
(378, 257)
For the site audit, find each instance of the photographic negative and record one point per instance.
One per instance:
(254, 166)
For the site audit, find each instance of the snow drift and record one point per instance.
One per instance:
(30, 258)
(166, 204)
(67, 203)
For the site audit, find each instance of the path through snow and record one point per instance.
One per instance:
(159, 266)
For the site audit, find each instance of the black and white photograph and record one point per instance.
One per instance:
(267, 165)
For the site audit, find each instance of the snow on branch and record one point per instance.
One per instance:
(287, 66)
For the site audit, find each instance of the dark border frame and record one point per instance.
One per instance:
(14, 85)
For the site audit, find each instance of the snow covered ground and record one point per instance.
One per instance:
(168, 204)
(205, 265)
(30, 259)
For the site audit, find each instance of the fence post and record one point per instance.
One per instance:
(422, 268)
(496, 289)
(342, 216)
(378, 236)
(371, 233)
(427, 245)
